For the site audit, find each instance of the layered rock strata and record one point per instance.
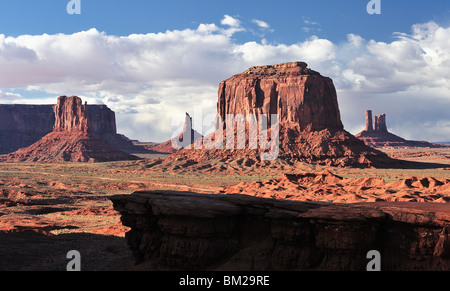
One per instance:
(191, 232)
(308, 124)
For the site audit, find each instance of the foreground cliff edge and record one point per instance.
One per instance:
(194, 232)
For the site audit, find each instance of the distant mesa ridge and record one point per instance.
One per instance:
(378, 136)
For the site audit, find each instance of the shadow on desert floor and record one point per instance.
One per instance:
(411, 165)
(33, 251)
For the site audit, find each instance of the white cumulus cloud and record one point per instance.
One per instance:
(152, 79)
(230, 21)
(8, 97)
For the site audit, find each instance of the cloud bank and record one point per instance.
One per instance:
(151, 80)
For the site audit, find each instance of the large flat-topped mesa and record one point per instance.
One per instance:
(307, 114)
(301, 97)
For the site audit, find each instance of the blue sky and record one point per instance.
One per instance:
(151, 61)
(335, 19)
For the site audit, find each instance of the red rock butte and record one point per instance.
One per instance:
(310, 126)
(70, 115)
(300, 96)
(378, 136)
(71, 140)
(187, 137)
(21, 125)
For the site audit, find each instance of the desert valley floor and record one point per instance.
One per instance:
(47, 210)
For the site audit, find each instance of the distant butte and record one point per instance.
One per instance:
(22, 125)
(187, 137)
(380, 137)
(71, 139)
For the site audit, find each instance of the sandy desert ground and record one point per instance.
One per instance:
(47, 210)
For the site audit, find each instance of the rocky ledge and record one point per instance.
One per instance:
(189, 231)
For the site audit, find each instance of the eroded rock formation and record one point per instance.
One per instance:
(23, 125)
(300, 96)
(183, 140)
(380, 123)
(380, 137)
(309, 122)
(369, 121)
(71, 139)
(188, 231)
(70, 115)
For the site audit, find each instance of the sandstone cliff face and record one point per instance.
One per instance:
(101, 121)
(70, 140)
(70, 115)
(369, 121)
(191, 232)
(23, 125)
(380, 123)
(300, 96)
(309, 126)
